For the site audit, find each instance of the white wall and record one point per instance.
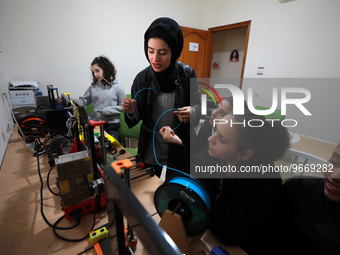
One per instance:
(54, 42)
(224, 43)
(296, 39)
(6, 123)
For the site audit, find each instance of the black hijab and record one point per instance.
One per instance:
(168, 30)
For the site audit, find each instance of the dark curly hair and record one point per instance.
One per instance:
(232, 53)
(109, 70)
(268, 142)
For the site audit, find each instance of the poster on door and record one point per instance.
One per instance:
(234, 56)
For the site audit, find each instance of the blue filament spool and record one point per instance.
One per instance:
(191, 200)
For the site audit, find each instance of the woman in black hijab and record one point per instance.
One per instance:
(163, 85)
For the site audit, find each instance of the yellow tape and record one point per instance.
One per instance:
(90, 177)
(113, 141)
(64, 187)
(98, 235)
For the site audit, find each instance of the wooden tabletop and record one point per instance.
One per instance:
(22, 228)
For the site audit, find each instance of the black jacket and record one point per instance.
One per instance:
(146, 79)
(241, 203)
(241, 210)
(306, 222)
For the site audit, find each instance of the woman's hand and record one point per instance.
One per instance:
(169, 135)
(127, 105)
(184, 114)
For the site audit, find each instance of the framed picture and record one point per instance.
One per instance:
(216, 65)
(234, 56)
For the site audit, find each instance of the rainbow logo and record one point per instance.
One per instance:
(208, 92)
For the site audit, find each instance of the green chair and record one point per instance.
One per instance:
(275, 115)
(89, 109)
(126, 132)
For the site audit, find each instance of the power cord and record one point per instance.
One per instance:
(13, 117)
(48, 182)
(77, 216)
(76, 213)
(42, 204)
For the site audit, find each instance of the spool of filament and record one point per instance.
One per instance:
(189, 198)
(33, 126)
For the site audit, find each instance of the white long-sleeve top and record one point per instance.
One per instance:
(107, 99)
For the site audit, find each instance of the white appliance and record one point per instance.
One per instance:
(22, 98)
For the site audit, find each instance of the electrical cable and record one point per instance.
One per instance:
(70, 123)
(154, 151)
(67, 239)
(40, 152)
(44, 144)
(33, 126)
(38, 110)
(42, 204)
(170, 194)
(63, 143)
(138, 119)
(153, 143)
(14, 118)
(76, 213)
(154, 132)
(48, 182)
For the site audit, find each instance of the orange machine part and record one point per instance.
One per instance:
(118, 165)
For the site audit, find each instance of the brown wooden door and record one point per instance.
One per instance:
(197, 50)
(246, 24)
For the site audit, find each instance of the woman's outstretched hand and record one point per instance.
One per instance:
(169, 135)
(184, 114)
(127, 105)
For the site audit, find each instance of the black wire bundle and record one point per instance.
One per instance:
(76, 213)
